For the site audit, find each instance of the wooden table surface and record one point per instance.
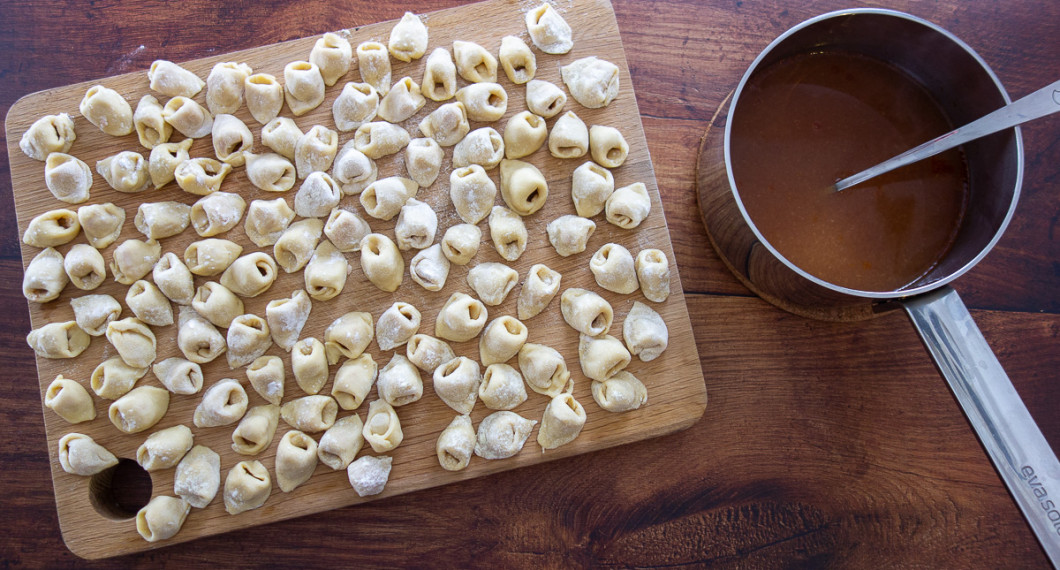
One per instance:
(823, 444)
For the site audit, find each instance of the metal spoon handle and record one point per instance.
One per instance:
(1042, 102)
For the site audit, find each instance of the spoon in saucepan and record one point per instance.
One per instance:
(1042, 102)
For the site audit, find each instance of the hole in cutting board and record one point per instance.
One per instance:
(120, 492)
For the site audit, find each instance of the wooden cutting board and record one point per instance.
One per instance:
(676, 390)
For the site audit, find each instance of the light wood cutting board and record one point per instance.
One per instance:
(676, 390)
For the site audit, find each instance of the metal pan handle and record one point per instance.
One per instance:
(1020, 453)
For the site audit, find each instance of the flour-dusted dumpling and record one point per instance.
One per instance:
(208, 257)
(416, 225)
(250, 275)
(264, 96)
(311, 414)
(601, 357)
(461, 318)
(569, 137)
(348, 336)
(614, 269)
(486, 102)
(172, 80)
(353, 381)
(439, 76)
(382, 428)
(224, 86)
(428, 353)
(231, 139)
(325, 274)
(379, 138)
(164, 160)
(94, 312)
(423, 160)
(628, 206)
(296, 459)
(188, 117)
(591, 186)
(201, 176)
(85, 267)
(544, 369)
(174, 279)
(368, 475)
(266, 221)
(295, 247)
(197, 338)
(287, 316)
(178, 375)
(518, 62)
(399, 382)
(113, 378)
(483, 146)
(502, 435)
(133, 340)
(157, 220)
(523, 187)
(256, 430)
(45, 277)
(125, 172)
(653, 273)
(472, 192)
(48, 134)
(502, 387)
(621, 392)
(353, 170)
(538, 290)
(198, 476)
(401, 102)
(384, 199)
(508, 233)
(332, 54)
(303, 87)
(501, 340)
(645, 332)
(544, 99)
(561, 423)
(309, 362)
(430, 268)
(223, 404)
(408, 38)
(248, 338)
(357, 104)
(548, 30)
(69, 400)
(474, 62)
(247, 487)
(280, 135)
(374, 64)
(457, 382)
(149, 304)
(447, 124)
(396, 325)
(161, 518)
(593, 82)
(341, 443)
(79, 454)
(165, 448)
(315, 150)
(217, 213)
(108, 110)
(101, 223)
(456, 443)
(381, 262)
(492, 281)
(460, 243)
(67, 177)
(607, 145)
(586, 312)
(139, 410)
(345, 229)
(524, 134)
(267, 378)
(217, 304)
(52, 228)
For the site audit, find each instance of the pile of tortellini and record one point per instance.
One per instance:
(311, 231)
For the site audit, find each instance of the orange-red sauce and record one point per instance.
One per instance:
(806, 122)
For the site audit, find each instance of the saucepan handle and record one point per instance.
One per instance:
(1017, 447)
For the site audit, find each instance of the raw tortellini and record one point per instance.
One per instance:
(439, 76)
(484, 102)
(614, 269)
(608, 146)
(461, 318)
(645, 332)
(133, 259)
(593, 82)
(188, 117)
(430, 268)
(369, 475)
(397, 325)
(447, 124)
(333, 54)
(562, 421)
(85, 267)
(217, 213)
(539, 288)
(523, 187)
(224, 86)
(287, 316)
(266, 376)
(172, 80)
(502, 435)
(222, 404)
(197, 338)
(296, 458)
(569, 137)
(101, 223)
(381, 262)
(341, 443)
(586, 312)
(508, 233)
(48, 134)
(247, 487)
(548, 30)
(45, 277)
(544, 369)
(621, 392)
(524, 134)
(501, 340)
(416, 225)
(374, 64)
(79, 454)
(460, 243)
(353, 381)
(401, 102)
(133, 340)
(113, 378)
(518, 62)
(303, 87)
(408, 38)
(472, 192)
(399, 382)
(264, 96)
(502, 387)
(256, 430)
(125, 172)
(423, 160)
(544, 99)
(162, 518)
(165, 448)
(474, 63)
(628, 206)
(139, 410)
(357, 104)
(67, 177)
(457, 383)
(492, 281)
(653, 272)
(455, 444)
(248, 338)
(382, 428)
(198, 476)
(602, 357)
(69, 400)
(94, 312)
(108, 110)
(178, 375)
(231, 139)
(58, 340)
(353, 170)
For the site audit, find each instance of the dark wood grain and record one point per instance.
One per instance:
(824, 444)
